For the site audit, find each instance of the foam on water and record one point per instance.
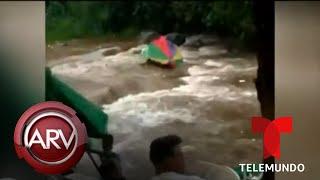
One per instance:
(212, 51)
(150, 109)
(213, 63)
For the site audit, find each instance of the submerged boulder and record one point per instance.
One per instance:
(201, 40)
(111, 51)
(176, 38)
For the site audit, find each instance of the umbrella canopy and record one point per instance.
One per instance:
(92, 116)
(163, 51)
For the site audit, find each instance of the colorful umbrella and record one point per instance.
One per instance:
(162, 51)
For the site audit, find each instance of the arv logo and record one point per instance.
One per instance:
(50, 137)
(271, 133)
(37, 139)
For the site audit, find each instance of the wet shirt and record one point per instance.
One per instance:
(175, 176)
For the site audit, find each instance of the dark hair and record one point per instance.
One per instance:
(163, 147)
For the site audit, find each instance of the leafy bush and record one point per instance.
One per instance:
(67, 20)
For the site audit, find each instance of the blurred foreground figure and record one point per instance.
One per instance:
(168, 159)
(110, 167)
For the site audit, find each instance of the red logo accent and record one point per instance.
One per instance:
(271, 133)
(50, 137)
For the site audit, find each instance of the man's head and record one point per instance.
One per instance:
(166, 154)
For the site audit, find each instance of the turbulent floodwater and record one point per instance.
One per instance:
(208, 101)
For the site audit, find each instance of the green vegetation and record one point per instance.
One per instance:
(66, 20)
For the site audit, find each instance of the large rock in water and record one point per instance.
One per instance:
(176, 38)
(147, 36)
(201, 40)
(111, 51)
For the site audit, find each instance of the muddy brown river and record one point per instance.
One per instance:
(208, 101)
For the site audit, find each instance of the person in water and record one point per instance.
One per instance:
(168, 159)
